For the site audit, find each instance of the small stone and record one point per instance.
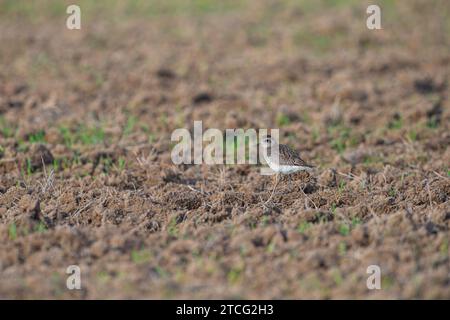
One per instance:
(202, 97)
(165, 73)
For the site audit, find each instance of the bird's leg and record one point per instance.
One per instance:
(276, 184)
(290, 183)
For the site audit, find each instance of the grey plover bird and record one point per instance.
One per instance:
(282, 159)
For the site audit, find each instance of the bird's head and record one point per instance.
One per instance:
(267, 142)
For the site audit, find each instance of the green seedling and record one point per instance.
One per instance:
(392, 192)
(107, 164)
(315, 134)
(341, 139)
(172, 228)
(433, 123)
(333, 208)
(356, 221)
(121, 163)
(29, 167)
(396, 123)
(342, 248)
(412, 135)
(38, 137)
(344, 229)
(67, 135)
(283, 120)
(90, 136)
(130, 125)
(337, 277)
(303, 227)
(40, 228)
(161, 272)
(443, 248)
(12, 231)
(55, 165)
(341, 186)
(271, 247)
(103, 277)
(163, 119)
(234, 275)
(140, 256)
(6, 130)
(21, 146)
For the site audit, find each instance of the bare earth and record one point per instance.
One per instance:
(97, 106)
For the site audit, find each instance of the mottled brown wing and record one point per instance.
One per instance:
(291, 157)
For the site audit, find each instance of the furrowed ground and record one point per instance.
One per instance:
(86, 176)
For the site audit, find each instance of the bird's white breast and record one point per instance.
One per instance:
(284, 169)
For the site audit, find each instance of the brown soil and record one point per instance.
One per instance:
(85, 171)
